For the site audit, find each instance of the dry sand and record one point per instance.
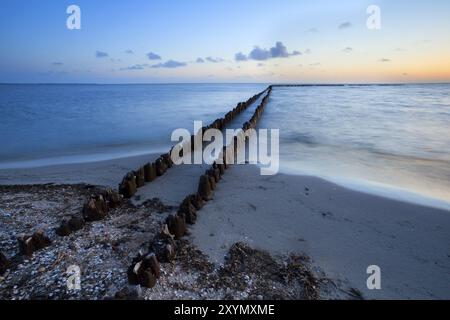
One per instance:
(343, 231)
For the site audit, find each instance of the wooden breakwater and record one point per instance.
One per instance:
(151, 171)
(96, 207)
(145, 268)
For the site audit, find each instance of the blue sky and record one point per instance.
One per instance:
(118, 37)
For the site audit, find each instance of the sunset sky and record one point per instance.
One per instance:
(224, 41)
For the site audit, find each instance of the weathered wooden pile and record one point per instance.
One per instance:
(31, 243)
(4, 263)
(95, 208)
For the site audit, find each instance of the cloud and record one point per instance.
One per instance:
(240, 57)
(101, 54)
(214, 60)
(129, 51)
(384, 60)
(209, 59)
(170, 64)
(57, 64)
(278, 51)
(344, 25)
(308, 51)
(259, 54)
(136, 67)
(153, 56)
(347, 50)
(53, 73)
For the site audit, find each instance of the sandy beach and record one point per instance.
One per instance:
(106, 173)
(341, 231)
(237, 160)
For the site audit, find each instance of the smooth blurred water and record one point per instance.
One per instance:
(388, 136)
(50, 124)
(384, 135)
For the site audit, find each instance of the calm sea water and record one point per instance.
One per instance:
(372, 136)
(50, 124)
(388, 136)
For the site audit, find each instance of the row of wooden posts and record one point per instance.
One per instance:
(145, 268)
(150, 171)
(163, 246)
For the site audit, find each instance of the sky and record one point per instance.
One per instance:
(256, 41)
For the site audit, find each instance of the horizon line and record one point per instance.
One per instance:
(243, 83)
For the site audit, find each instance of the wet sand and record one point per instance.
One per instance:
(105, 173)
(343, 231)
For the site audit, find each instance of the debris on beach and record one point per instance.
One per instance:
(163, 245)
(31, 243)
(104, 250)
(4, 263)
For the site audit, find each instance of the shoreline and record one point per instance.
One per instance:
(109, 173)
(379, 189)
(341, 230)
(76, 159)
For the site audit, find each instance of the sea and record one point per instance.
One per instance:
(392, 140)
